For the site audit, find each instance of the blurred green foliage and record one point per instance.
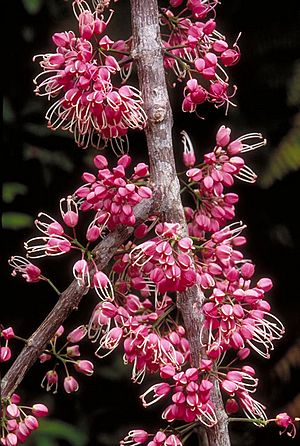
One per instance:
(11, 190)
(51, 432)
(16, 220)
(286, 157)
(33, 6)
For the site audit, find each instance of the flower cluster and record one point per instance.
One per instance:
(5, 351)
(150, 339)
(69, 356)
(190, 395)
(17, 424)
(236, 314)
(207, 181)
(136, 309)
(112, 195)
(80, 75)
(139, 436)
(164, 260)
(195, 48)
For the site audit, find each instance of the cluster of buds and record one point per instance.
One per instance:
(80, 74)
(18, 421)
(190, 395)
(236, 313)
(139, 436)
(136, 312)
(112, 195)
(68, 356)
(195, 49)
(149, 337)
(208, 180)
(6, 334)
(164, 261)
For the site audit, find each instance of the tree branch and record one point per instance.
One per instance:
(67, 302)
(148, 54)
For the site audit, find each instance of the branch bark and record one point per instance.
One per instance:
(67, 302)
(148, 54)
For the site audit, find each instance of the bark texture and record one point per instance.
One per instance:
(148, 54)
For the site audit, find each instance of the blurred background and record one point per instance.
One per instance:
(39, 167)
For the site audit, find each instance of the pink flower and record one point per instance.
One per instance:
(13, 411)
(81, 273)
(31, 422)
(47, 246)
(85, 367)
(70, 213)
(8, 333)
(5, 354)
(39, 410)
(103, 286)
(288, 423)
(11, 439)
(231, 406)
(135, 438)
(51, 379)
(88, 104)
(30, 272)
(189, 157)
(70, 384)
(77, 334)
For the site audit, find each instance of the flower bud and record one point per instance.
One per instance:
(70, 384)
(39, 410)
(77, 334)
(11, 440)
(223, 136)
(8, 333)
(231, 406)
(12, 411)
(31, 422)
(5, 354)
(85, 367)
(73, 351)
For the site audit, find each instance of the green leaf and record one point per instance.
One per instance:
(16, 220)
(32, 6)
(50, 430)
(11, 190)
(286, 157)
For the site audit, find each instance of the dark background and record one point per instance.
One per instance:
(49, 165)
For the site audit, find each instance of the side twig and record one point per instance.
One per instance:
(68, 301)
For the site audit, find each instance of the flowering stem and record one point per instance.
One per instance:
(67, 302)
(184, 62)
(20, 339)
(147, 51)
(113, 50)
(250, 420)
(163, 316)
(54, 287)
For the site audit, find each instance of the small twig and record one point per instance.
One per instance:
(67, 302)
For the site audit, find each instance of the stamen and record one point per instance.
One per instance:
(246, 174)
